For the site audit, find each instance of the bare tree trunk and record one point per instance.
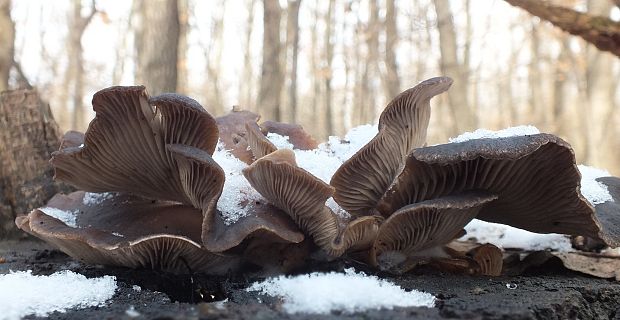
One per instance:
(391, 80)
(214, 61)
(271, 73)
(7, 43)
(328, 46)
(247, 80)
(157, 43)
(458, 96)
(182, 72)
(289, 114)
(29, 135)
(559, 81)
(536, 110)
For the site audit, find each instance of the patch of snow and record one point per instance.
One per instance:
(353, 141)
(136, 288)
(335, 207)
(504, 236)
(281, 142)
(118, 234)
(67, 217)
(349, 292)
(594, 191)
(92, 198)
(132, 313)
(490, 134)
(81, 146)
(24, 294)
(237, 189)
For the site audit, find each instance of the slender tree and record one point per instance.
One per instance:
(271, 73)
(7, 41)
(391, 78)
(289, 113)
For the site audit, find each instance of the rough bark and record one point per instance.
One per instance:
(600, 31)
(156, 43)
(7, 42)
(458, 96)
(391, 80)
(271, 73)
(289, 113)
(29, 135)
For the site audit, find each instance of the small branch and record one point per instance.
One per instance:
(602, 32)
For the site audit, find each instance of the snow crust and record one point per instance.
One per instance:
(504, 236)
(490, 134)
(24, 294)
(594, 191)
(67, 217)
(322, 293)
(237, 193)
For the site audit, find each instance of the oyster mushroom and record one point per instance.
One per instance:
(535, 178)
(233, 133)
(361, 181)
(278, 178)
(418, 227)
(259, 145)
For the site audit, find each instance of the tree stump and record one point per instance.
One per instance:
(28, 136)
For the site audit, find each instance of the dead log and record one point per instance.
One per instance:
(28, 136)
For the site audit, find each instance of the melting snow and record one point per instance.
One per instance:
(348, 292)
(505, 236)
(490, 134)
(237, 189)
(91, 198)
(68, 217)
(592, 190)
(23, 294)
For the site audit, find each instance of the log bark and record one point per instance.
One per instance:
(602, 32)
(29, 135)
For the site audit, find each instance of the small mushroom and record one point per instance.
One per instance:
(535, 178)
(278, 178)
(259, 145)
(421, 226)
(233, 132)
(361, 181)
(296, 134)
(489, 259)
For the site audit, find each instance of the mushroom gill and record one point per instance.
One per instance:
(535, 178)
(258, 144)
(417, 227)
(233, 133)
(361, 181)
(294, 190)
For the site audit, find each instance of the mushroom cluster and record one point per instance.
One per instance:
(154, 194)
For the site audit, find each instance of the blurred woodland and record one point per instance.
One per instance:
(330, 65)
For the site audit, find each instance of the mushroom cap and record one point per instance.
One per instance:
(259, 145)
(277, 177)
(296, 134)
(361, 181)
(427, 224)
(608, 213)
(125, 145)
(125, 230)
(72, 139)
(489, 259)
(233, 132)
(535, 178)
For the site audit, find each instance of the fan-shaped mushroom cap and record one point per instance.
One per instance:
(427, 224)
(489, 259)
(296, 134)
(125, 230)
(259, 145)
(361, 181)
(535, 178)
(125, 145)
(303, 196)
(233, 134)
(608, 213)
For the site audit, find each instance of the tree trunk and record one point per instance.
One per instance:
(536, 110)
(247, 80)
(289, 114)
(271, 74)
(458, 96)
(157, 42)
(29, 135)
(184, 28)
(7, 42)
(328, 46)
(391, 80)
(214, 61)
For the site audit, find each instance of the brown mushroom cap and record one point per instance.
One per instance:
(427, 224)
(296, 134)
(72, 139)
(361, 181)
(294, 190)
(259, 145)
(608, 213)
(535, 178)
(489, 259)
(125, 145)
(233, 133)
(125, 230)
